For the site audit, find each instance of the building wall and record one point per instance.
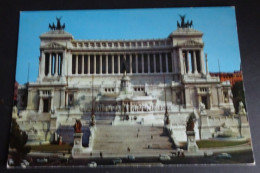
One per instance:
(186, 82)
(234, 77)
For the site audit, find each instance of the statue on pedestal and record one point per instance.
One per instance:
(241, 108)
(191, 141)
(190, 124)
(77, 126)
(15, 112)
(202, 108)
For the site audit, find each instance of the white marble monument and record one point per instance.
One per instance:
(128, 77)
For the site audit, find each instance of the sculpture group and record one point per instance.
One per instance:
(58, 26)
(184, 24)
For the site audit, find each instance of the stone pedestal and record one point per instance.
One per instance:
(191, 142)
(53, 123)
(204, 127)
(244, 126)
(77, 147)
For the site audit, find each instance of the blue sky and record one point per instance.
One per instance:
(217, 23)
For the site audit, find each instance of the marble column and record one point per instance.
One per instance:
(166, 61)
(82, 65)
(202, 62)
(175, 61)
(181, 64)
(52, 101)
(195, 62)
(100, 64)
(62, 98)
(40, 109)
(154, 62)
(42, 64)
(62, 63)
(95, 63)
(142, 63)
(174, 68)
(118, 63)
(148, 59)
(88, 64)
(160, 62)
(130, 56)
(136, 62)
(112, 64)
(50, 64)
(187, 96)
(106, 64)
(77, 65)
(56, 64)
(188, 62)
(67, 63)
(219, 92)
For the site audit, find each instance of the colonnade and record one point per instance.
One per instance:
(158, 62)
(52, 64)
(192, 61)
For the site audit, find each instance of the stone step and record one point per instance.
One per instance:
(117, 139)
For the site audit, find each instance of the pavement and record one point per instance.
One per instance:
(96, 154)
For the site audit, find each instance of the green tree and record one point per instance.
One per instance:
(238, 95)
(18, 139)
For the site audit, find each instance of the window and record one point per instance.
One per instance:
(225, 93)
(71, 100)
(46, 105)
(109, 90)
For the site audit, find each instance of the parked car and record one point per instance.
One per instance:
(224, 156)
(23, 165)
(42, 160)
(26, 162)
(131, 157)
(92, 164)
(10, 162)
(116, 161)
(164, 157)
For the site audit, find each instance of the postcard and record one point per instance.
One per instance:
(132, 87)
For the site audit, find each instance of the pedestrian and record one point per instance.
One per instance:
(182, 153)
(151, 136)
(101, 155)
(137, 135)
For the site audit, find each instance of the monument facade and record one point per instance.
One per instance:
(125, 82)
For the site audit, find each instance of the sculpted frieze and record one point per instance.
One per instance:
(192, 43)
(53, 45)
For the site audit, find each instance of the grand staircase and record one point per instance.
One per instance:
(136, 140)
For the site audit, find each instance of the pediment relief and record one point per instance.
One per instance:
(192, 43)
(53, 45)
